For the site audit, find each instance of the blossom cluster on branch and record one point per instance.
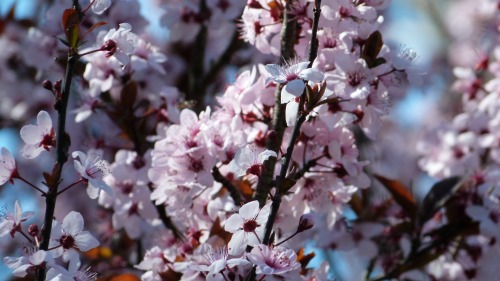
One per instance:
(190, 175)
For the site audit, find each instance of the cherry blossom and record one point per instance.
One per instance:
(93, 170)
(59, 273)
(11, 221)
(8, 167)
(70, 236)
(119, 43)
(28, 262)
(246, 161)
(247, 226)
(99, 6)
(292, 75)
(38, 137)
(273, 261)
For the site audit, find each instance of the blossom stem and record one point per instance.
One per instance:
(276, 202)
(313, 45)
(88, 7)
(71, 185)
(26, 236)
(278, 124)
(233, 191)
(30, 184)
(62, 146)
(289, 237)
(91, 52)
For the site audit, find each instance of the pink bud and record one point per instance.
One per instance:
(306, 222)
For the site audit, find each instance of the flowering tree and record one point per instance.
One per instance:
(191, 177)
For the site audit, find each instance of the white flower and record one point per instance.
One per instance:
(246, 161)
(293, 75)
(8, 168)
(247, 227)
(38, 137)
(27, 263)
(59, 273)
(99, 6)
(93, 169)
(213, 261)
(10, 222)
(69, 236)
(120, 43)
(277, 260)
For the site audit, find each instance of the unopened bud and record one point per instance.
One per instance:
(33, 230)
(254, 4)
(57, 86)
(47, 84)
(272, 136)
(306, 222)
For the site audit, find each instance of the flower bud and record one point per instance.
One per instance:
(47, 84)
(57, 86)
(33, 230)
(306, 222)
(254, 4)
(272, 136)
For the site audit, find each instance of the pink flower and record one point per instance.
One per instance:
(293, 75)
(277, 261)
(247, 227)
(69, 236)
(99, 6)
(120, 43)
(28, 262)
(10, 222)
(8, 168)
(246, 161)
(59, 273)
(93, 170)
(38, 137)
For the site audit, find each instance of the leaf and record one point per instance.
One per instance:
(286, 185)
(219, 231)
(51, 178)
(70, 17)
(125, 277)
(73, 35)
(128, 95)
(99, 24)
(372, 48)
(99, 253)
(62, 41)
(304, 259)
(437, 197)
(401, 195)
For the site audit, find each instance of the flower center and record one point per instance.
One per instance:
(250, 226)
(67, 241)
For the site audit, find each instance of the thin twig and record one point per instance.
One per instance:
(233, 191)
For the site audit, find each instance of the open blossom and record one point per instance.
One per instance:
(59, 273)
(247, 227)
(246, 161)
(99, 6)
(213, 261)
(38, 137)
(10, 222)
(70, 236)
(93, 170)
(28, 262)
(292, 75)
(8, 168)
(120, 43)
(273, 261)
